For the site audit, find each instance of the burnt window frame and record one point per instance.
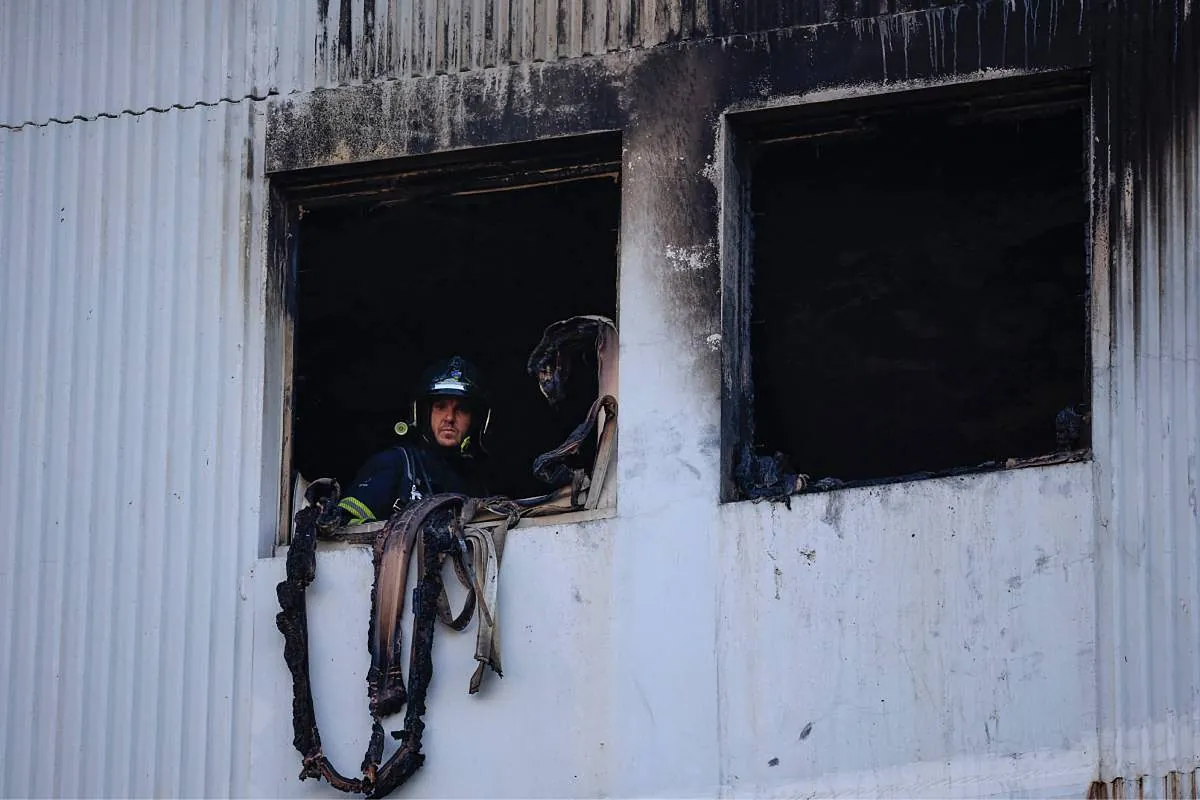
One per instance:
(744, 130)
(496, 167)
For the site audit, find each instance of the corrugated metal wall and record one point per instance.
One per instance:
(72, 59)
(131, 417)
(361, 40)
(81, 60)
(1149, 517)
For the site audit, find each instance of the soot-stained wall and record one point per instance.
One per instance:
(667, 102)
(683, 335)
(365, 40)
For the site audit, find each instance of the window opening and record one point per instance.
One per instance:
(919, 288)
(396, 273)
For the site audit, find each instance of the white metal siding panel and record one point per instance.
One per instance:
(131, 355)
(66, 59)
(936, 635)
(1149, 376)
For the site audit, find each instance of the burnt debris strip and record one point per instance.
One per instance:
(427, 533)
(567, 346)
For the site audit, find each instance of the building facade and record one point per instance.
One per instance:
(1002, 632)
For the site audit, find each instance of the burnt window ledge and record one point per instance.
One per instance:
(826, 485)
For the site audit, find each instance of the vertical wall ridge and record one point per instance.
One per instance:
(146, 431)
(16, 311)
(109, 501)
(67, 374)
(86, 470)
(35, 472)
(254, 514)
(9, 405)
(187, 465)
(171, 364)
(124, 609)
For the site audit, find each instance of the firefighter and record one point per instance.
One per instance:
(441, 450)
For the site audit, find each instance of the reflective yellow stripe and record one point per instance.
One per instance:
(357, 508)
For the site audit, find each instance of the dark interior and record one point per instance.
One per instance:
(919, 292)
(386, 288)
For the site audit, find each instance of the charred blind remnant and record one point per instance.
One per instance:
(427, 533)
(582, 339)
(919, 288)
(454, 261)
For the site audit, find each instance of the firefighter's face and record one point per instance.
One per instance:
(449, 419)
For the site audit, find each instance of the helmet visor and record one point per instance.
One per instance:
(448, 386)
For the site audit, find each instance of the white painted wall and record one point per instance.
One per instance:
(937, 636)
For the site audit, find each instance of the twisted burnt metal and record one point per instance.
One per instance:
(433, 529)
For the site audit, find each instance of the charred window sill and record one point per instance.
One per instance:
(364, 535)
(1067, 457)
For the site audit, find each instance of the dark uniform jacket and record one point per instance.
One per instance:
(399, 475)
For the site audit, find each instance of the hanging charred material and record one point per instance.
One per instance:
(292, 621)
(432, 518)
(768, 477)
(395, 547)
(428, 532)
(564, 344)
(558, 467)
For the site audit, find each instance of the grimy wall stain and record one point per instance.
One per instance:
(536, 97)
(667, 100)
(1148, 89)
(663, 74)
(427, 37)
(1146, 95)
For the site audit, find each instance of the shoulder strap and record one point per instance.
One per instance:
(416, 485)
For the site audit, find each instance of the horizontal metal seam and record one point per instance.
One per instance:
(132, 113)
